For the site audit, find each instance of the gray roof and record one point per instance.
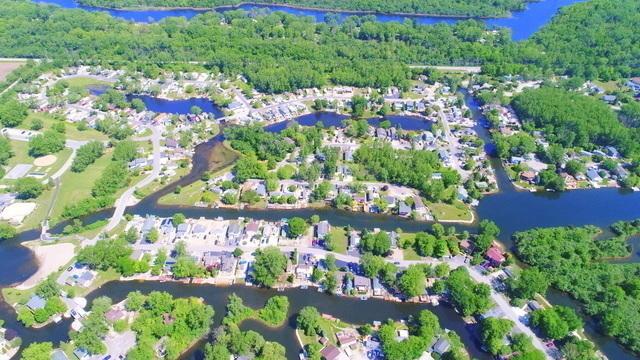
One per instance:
(59, 355)
(36, 302)
(441, 346)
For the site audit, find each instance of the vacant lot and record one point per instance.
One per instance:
(8, 66)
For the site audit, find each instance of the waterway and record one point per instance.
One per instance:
(522, 23)
(512, 210)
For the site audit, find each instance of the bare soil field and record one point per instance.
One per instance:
(8, 66)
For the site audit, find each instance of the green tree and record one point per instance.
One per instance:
(49, 142)
(7, 231)
(296, 226)
(493, 331)
(308, 320)
(412, 281)
(37, 351)
(269, 264)
(529, 282)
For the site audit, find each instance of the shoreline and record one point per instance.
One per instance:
(507, 15)
(49, 258)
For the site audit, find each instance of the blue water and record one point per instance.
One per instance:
(181, 107)
(328, 119)
(522, 24)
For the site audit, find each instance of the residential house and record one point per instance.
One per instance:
(354, 239)
(593, 175)
(441, 346)
(330, 352)
(404, 209)
(346, 338)
(529, 176)
(362, 284)
(304, 271)
(58, 354)
(234, 232)
(466, 246)
(495, 256)
(36, 302)
(377, 287)
(322, 229)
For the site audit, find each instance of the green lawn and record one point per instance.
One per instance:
(189, 195)
(339, 238)
(77, 186)
(71, 131)
(85, 82)
(450, 212)
(410, 254)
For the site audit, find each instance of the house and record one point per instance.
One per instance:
(114, 315)
(569, 181)
(138, 163)
(86, 278)
(377, 287)
(634, 84)
(441, 346)
(609, 99)
(361, 283)
(171, 143)
(612, 151)
(404, 209)
(304, 271)
(81, 353)
(466, 246)
(36, 302)
(331, 352)
(402, 334)
(621, 172)
(593, 175)
(58, 354)
(354, 239)
(528, 176)
(234, 231)
(251, 229)
(182, 230)
(495, 256)
(322, 229)
(346, 338)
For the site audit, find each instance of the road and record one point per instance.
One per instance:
(125, 199)
(452, 145)
(466, 69)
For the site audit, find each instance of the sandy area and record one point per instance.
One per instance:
(7, 66)
(46, 160)
(50, 259)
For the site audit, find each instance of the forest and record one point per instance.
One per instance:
(573, 120)
(575, 262)
(479, 8)
(280, 52)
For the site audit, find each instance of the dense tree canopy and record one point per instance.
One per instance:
(270, 263)
(574, 120)
(571, 259)
(454, 7)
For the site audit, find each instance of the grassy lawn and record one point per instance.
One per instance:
(85, 81)
(77, 186)
(450, 212)
(71, 131)
(410, 254)
(608, 86)
(40, 213)
(339, 238)
(189, 195)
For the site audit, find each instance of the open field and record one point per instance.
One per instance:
(7, 67)
(450, 212)
(339, 238)
(189, 195)
(82, 81)
(71, 131)
(77, 186)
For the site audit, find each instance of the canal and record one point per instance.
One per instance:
(512, 210)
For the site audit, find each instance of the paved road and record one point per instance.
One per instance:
(123, 201)
(466, 69)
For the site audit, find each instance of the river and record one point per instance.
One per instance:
(522, 23)
(512, 210)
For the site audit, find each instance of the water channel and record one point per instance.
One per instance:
(512, 210)
(521, 23)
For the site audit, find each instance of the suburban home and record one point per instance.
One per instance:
(495, 256)
(377, 287)
(36, 302)
(466, 246)
(322, 229)
(346, 338)
(304, 271)
(593, 175)
(362, 284)
(441, 346)
(528, 176)
(331, 352)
